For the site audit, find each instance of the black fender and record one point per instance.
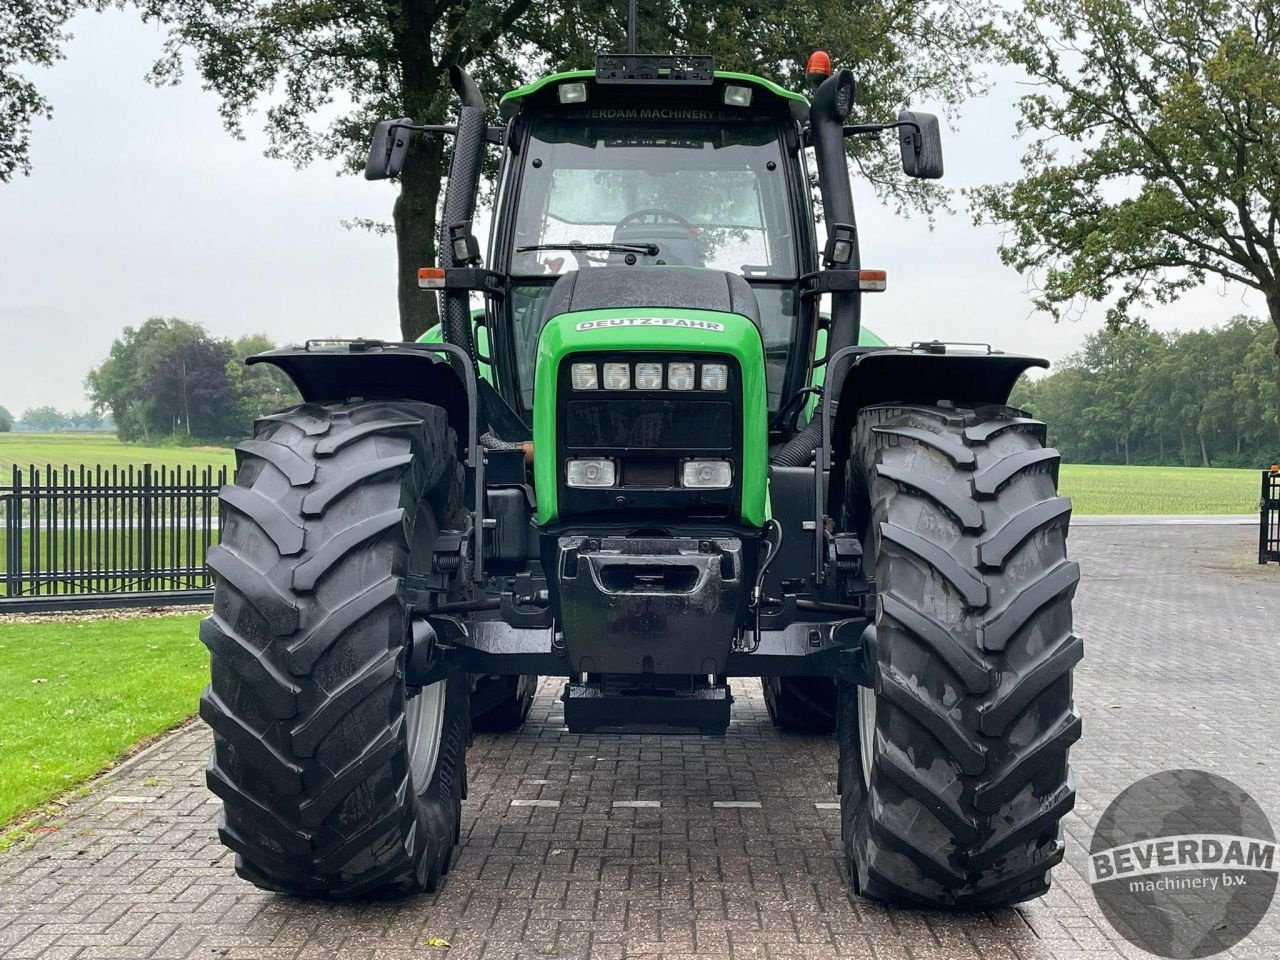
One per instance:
(338, 371)
(926, 375)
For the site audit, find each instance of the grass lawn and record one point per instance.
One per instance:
(1133, 490)
(91, 449)
(74, 696)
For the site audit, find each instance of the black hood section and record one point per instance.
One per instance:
(657, 288)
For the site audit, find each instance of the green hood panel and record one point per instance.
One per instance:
(675, 331)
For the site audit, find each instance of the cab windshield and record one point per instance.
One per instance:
(653, 185)
(706, 194)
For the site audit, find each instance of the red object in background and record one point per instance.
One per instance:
(819, 66)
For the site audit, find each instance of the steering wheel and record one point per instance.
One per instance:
(657, 215)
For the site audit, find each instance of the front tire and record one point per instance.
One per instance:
(953, 769)
(500, 704)
(801, 704)
(337, 779)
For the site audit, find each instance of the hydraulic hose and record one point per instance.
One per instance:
(799, 450)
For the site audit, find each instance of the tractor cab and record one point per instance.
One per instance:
(702, 170)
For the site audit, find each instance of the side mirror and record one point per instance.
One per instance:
(921, 143)
(388, 150)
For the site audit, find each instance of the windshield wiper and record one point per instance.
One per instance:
(648, 249)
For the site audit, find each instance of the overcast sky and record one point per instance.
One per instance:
(141, 205)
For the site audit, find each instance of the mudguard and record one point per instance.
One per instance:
(341, 370)
(927, 374)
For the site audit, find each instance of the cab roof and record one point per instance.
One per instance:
(539, 91)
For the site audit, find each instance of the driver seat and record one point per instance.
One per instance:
(677, 245)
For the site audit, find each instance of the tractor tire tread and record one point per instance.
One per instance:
(974, 641)
(307, 643)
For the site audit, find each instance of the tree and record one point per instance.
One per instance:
(166, 377)
(326, 72)
(44, 419)
(6, 420)
(1201, 397)
(189, 383)
(31, 34)
(1114, 364)
(1167, 116)
(260, 389)
(85, 420)
(1254, 395)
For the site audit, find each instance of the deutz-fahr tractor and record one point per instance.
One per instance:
(657, 460)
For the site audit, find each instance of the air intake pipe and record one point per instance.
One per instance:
(460, 205)
(832, 102)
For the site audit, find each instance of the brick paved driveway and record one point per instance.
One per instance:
(1183, 664)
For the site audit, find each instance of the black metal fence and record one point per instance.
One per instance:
(1269, 523)
(117, 536)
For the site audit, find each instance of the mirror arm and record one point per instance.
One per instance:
(492, 134)
(427, 128)
(857, 129)
(862, 129)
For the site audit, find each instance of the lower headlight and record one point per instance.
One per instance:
(707, 474)
(590, 473)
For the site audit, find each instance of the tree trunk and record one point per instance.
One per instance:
(186, 400)
(1127, 461)
(1273, 308)
(1162, 454)
(1204, 451)
(415, 222)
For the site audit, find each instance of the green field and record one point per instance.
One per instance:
(21, 449)
(1145, 490)
(75, 696)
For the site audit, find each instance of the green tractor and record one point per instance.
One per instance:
(650, 465)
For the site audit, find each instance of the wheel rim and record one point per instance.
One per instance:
(866, 730)
(424, 718)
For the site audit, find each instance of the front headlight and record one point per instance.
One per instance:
(707, 474)
(715, 376)
(590, 473)
(617, 376)
(680, 376)
(648, 376)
